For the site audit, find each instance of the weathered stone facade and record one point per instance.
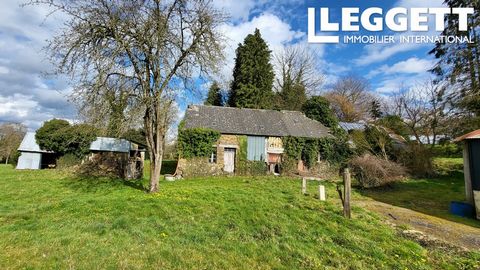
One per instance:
(196, 167)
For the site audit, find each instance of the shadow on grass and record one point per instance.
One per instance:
(92, 183)
(428, 196)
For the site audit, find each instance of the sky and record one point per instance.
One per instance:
(30, 94)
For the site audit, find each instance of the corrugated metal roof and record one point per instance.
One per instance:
(110, 145)
(470, 136)
(254, 122)
(29, 144)
(352, 126)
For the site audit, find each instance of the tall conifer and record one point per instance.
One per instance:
(252, 75)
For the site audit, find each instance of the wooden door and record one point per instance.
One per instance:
(229, 160)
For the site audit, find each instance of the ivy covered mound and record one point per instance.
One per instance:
(54, 220)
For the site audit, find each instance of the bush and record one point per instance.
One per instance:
(68, 161)
(418, 160)
(252, 168)
(448, 150)
(372, 171)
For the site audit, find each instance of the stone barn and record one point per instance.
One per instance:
(259, 133)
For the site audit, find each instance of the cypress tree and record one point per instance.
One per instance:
(252, 75)
(214, 97)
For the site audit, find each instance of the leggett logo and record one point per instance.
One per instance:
(396, 19)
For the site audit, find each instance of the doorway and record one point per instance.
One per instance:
(229, 160)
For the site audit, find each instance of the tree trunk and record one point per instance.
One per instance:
(155, 169)
(6, 160)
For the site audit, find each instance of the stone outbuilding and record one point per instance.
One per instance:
(258, 132)
(120, 157)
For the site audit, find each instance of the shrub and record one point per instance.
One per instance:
(196, 142)
(448, 150)
(251, 168)
(418, 160)
(372, 171)
(68, 161)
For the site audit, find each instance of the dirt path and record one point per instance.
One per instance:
(435, 228)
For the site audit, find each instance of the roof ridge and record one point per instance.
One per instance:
(236, 108)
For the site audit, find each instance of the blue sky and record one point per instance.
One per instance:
(28, 96)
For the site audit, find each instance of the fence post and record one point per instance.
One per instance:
(304, 185)
(321, 193)
(347, 183)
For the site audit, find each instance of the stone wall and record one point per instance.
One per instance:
(196, 167)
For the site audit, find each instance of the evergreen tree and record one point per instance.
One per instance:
(318, 108)
(252, 75)
(214, 97)
(459, 63)
(375, 110)
(292, 95)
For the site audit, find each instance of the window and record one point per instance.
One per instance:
(213, 156)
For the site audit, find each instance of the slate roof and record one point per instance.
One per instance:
(254, 122)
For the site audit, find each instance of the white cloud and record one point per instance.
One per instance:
(412, 65)
(235, 9)
(26, 96)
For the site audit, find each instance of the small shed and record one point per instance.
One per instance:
(119, 156)
(471, 167)
(32, 157)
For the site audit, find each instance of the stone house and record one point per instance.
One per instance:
(256, 134)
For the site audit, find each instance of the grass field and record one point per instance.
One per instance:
(430, 196)
(53, 220)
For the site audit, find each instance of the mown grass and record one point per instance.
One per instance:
(430, 196)
(53, 220)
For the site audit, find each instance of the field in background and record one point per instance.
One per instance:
(50, 219)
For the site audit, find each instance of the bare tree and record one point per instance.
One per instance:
(159, 46)
(424, 109)
(297, 64)
(350, 98)
(11, 136)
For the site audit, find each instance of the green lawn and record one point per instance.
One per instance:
(52, 220)
(429, 196)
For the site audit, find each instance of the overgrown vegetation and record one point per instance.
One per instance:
(333, 150)
(196, 142)
(222, 223)
(371, 171)
(247, 167)
(62, 138)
